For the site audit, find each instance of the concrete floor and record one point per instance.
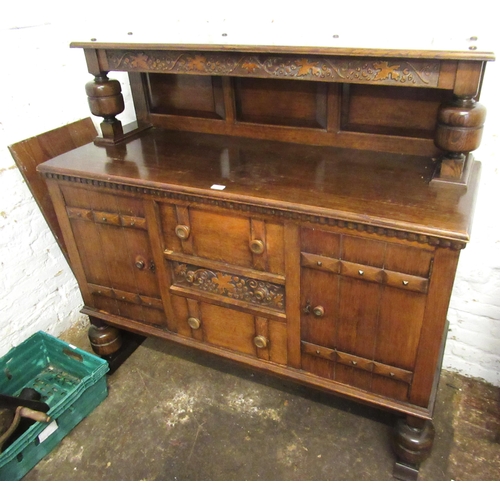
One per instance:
(176, 414)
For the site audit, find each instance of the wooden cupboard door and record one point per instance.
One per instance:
(224, 237)
(373, 296)
(231, 329)
(115, 253)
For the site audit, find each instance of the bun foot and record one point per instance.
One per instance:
(413, 440)
(104, 340)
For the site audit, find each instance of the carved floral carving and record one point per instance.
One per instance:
(321, 68)
(228, 285)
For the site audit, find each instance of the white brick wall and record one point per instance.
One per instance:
(42, 88)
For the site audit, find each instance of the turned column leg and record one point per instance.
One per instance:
(105, 340)
(458, 132)
(106, 100)
(460, 124)
(413, 439)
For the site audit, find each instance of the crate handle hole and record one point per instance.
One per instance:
(73, 355)
(20, 457)
(8, 374)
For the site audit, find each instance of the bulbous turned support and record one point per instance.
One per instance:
(412, 444)
(104, 339)
(459, 131)
(106, 100)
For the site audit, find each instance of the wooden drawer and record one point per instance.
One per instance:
(261, 293)
(231, 329)
(224, 237)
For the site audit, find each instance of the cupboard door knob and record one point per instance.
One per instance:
(194, 323)
(257, 246)
(139, 263)
(319, 311)
(182, 232)
(260, 341)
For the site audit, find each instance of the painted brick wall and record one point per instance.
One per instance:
(42, 88)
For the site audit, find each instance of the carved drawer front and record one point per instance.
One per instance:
(115, 253)
(259, 292)
(212, 235)
(231, 329)
(362, 305)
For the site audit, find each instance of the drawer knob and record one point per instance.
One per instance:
(260, 341)
(182, 232)
(319, 311)
(257, 246)
(139, 263)
(194, 323)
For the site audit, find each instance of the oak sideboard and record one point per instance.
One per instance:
(299, 210)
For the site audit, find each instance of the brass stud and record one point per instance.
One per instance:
(361, 272)
(405, 282)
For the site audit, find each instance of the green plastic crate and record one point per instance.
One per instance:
(72, 382)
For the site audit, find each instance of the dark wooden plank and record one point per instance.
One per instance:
(72, 248)
(293, 313)
(433, 323)
(291, 103)
(29, 153)
(426, 50)
(164, 276)
(299, 134)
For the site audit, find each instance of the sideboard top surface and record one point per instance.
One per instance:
(384, 189)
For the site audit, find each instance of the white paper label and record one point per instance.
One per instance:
(218, 187)
(48, 431)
